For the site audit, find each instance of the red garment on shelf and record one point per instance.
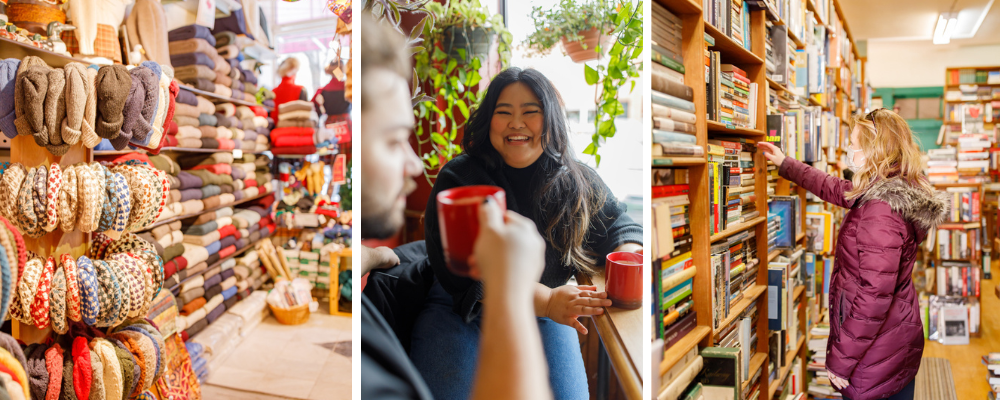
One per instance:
(227, 230)
(294, 150)
(228, 251)
(292, 141)
(222, 169)
(286, 91)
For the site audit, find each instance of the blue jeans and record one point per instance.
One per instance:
(444, 349)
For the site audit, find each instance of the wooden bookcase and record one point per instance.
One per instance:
(693, 46)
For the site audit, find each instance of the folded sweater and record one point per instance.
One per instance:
(192, 31)
(180, 60)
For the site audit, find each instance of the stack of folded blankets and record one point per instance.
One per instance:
(250, 133)
(195, 60)
(166, 164)
(198, 362)
(296, 129)
(222, 337)
(242, 82)
(249, 270)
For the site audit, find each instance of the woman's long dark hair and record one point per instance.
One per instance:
(568, 199)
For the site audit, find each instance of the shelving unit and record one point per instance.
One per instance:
(838, 100)
(219, 99)
(192, 215)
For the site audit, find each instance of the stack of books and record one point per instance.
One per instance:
(974, 156)
(942, 165)
(725, 184)
(738, 98)
(731, 17)
(673, 110)
(959, 314)
(958, 278)
(674, 298)
(673, 268)
(965, 203)
(992, 362)
(734, 269)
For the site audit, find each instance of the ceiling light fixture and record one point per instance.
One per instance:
(944, 28)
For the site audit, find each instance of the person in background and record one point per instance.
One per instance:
(509, 250)
(329, 99)
(287, 90)
(876, 335)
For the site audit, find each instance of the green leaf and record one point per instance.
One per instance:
(461, 75)
(598, 158)
(461, 53)
(452, 136)
(613, 107)
(591, 149)
(437, 138)
(607, 128)
(420, 130)
(476, 64)
(439, 55)
(633, 87)
(590, 74)
(417, 30)
(433, 161)
(457, 84)
(463, 108)
(451, 65)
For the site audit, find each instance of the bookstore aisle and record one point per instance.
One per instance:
(141, 253)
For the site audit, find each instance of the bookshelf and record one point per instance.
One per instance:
(845, 94)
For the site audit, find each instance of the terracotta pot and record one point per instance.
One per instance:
(591, 37)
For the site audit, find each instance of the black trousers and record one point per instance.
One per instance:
(905, 394)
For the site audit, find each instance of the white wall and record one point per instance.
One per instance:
(920, 63)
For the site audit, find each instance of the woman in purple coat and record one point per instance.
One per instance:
(876, 337)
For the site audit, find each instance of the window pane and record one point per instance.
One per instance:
(907, 108)
(929, 108)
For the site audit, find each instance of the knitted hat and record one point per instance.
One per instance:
(7, 342)
(52, 197)
(10, 185)
(55, 111)
(41, 186)
(72, 287)
(127, 363)
(54, 366)
(160, 106)
(57, 303)
(112, 374)
(97, 377)
(7, 283)
(29, 97)
(40, 305)
(77, 91)
(26, 288)
(12, 357)
(87, 133)
(81, 368)
(89, 306)
(139, 108)
(38, 374)
(68, 200)
(122, 198)
(8, 75)
(113, 86)
(22, 254)
(91, 197)
(67, 392)
(110, 286)
(110, 204)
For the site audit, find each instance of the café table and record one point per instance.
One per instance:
(620, 331)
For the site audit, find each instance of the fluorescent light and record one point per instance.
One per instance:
(944, 28)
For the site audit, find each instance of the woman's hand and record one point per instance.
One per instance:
(566, 303)
(772, 153)
(838, 382)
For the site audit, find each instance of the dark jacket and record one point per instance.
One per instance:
(876, 337)
(608, 230)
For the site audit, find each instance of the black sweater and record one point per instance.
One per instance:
(610, 229)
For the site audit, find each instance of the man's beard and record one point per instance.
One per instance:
(383, 224)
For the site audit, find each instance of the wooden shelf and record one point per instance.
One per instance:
(719, 127)
(14, 49)
(783, 373)
(798, 291)
(800, 236)
(679, 349)
(776, 86)
(681, 6)
(677, 161)
(798, 43)
(98, 153)
(186, 216)
(772, 255)
(732, 52)
(956, 184)
(736, 229)
(219, 99)
(749, 296)
(756, 362)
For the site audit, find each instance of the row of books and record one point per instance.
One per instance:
(732, 189)
(673, 110)
(802, 133)
(730, 95)
(820, 386)
(950, 319)
(784, 217)
(968, 163)
(956, 241)
(972, 76)
(958, 278)
(735, 265)
(965, 204)
(972, 93)
(731, 17)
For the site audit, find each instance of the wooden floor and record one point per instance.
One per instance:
(966, 365)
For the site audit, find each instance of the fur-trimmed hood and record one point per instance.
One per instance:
(927, 210)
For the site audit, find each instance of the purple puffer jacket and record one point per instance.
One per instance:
(876, 337)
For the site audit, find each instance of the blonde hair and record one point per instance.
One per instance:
(889, 149)
(288, 67)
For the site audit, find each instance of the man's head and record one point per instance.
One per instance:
(388, 163)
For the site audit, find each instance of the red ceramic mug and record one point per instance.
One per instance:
(458, 221)
(624, 279)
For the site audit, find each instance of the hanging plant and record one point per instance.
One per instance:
(621, 66)
(581, 27)
(391, 11)
(458, 42)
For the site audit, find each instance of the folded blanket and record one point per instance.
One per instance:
(223, 91)
(160, 232)
(223, 80)
(227, 230)
(189, 73)
(192, 283)
(210, 190)
(226, 242)
(186, 110)
(202, 84)
(205, 218)
(227, 251)
(295, 105)
(192, 46)
(188, 132)
(299, 115)
(226, 144)
(225, 133)
(192, 31)
(186, 97)
(223, 212)
(292, 141)
(230, 292)
(188, 143)
(195, 254)
(221, 65)
(192, 206)
(202, 240)
(228, 51)
(212, 248)
(228, 283)
(226, 108)
(215, 168)
(224, 38)
(202, 229)
(212, 202)
(228, 188)
(249, 76)
(192, 330)
(180, 60)
(193, 305)
(260, 122)
(212, 278)
(189, 180)
(208, 131)
(191, 296)
(223, 120)
(220, 309)
(184, 120)
(301, 132)
(294, 150)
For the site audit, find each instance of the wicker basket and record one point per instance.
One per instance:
(291, 316)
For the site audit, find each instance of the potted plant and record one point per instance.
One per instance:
(581, 26)
(458, 43)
